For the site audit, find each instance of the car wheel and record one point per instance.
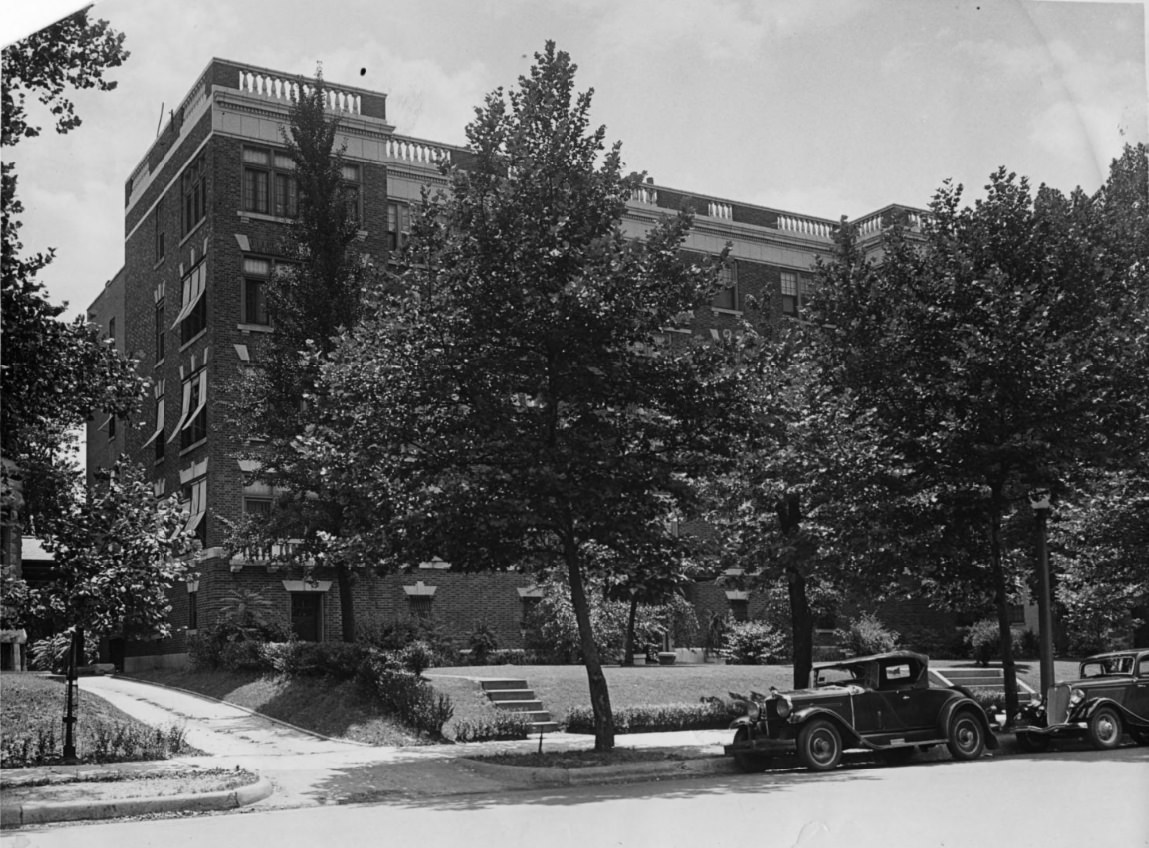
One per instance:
(1032, 743)
(819, 745)
(750, 763)
(897, 756)
(1104, 730)
(966, 738)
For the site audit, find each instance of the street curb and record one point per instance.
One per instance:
(592, 775)
(44, 812)
(247, 710)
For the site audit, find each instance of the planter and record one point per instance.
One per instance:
(667, 657)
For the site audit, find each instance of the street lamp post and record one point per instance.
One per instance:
(1039, 501)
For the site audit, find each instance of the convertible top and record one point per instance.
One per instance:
(889, 655)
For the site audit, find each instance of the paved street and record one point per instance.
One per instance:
(1078, 798)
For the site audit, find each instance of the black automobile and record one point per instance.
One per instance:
(882, 703)
(1110, 696)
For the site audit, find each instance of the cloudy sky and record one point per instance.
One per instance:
(822, 107)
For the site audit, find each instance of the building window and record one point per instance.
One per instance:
(257, 506)
(352, 195)
(256, 273)
(112, 329)
(160, 332)
(1016, 614)
(111, 428)
(796, 291)
(158, 434)
(192, 426)
(420, 606)
(192, 319)
(160, 230)
(193, 610)
(194, 498)
(398, 225)
(740, 609)
(193, 190)
(307, 615)
(727, 297)
(269, 184)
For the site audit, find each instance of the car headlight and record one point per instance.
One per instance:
(753, 711)
(1076, 697)
(784, 706)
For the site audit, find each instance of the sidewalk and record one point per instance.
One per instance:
(297, 768)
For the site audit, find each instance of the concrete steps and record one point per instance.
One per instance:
(514, 695)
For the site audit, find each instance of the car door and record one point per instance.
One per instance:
(1139, 691)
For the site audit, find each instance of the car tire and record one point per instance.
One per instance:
(966, 737)
(819, 745)
(1032, 743)
(749, 763)
(1104, 729)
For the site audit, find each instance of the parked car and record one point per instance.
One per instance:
(882, 703)
(1110, 696)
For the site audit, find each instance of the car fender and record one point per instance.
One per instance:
(742, 721)
(800, 717)
(1092, 706)
(963, 703)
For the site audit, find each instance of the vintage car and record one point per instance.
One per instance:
(882, 703)
(1110, 696)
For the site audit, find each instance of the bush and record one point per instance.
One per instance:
(751, 642)
(402, 693)
(482, 642)
(983, 641)
(100, 742)
(51, 653)
(710, 714)
(395, 636)
(499, 727)
(867, 635)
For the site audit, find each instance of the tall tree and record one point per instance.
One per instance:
(803, 506)
(1001, 353)
(53, 375)
(312, 298)
(507, 405)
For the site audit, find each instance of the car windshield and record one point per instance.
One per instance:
(1107, 666)
(841, 676)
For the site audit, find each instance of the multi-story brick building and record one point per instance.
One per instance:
(203, 213)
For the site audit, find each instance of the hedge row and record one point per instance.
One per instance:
(656, 718)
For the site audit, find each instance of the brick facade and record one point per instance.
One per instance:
(230, 106)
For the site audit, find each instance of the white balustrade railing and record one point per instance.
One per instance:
(415, 151)
(281, 88)
(645, 194)
(718, 209)
(805, 226)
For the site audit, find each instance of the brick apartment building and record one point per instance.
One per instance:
(203, 212)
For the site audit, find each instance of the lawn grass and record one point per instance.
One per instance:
(338, 709)
(32, 709)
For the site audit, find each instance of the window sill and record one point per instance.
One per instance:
(159, 262)
(255, 328)
(245, 217)
(159, 362)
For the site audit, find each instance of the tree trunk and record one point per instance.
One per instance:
(802, 625)
(628, 654)
(801, 621)
(599, 695)
(346, 602)
(1002, 601)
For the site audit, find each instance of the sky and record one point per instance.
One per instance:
(818, 107)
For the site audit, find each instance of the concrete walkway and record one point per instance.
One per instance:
(304, 769)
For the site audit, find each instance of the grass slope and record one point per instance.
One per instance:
(32, 706)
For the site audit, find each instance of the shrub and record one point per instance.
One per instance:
(751, 642)
(867, 635)
(402, 693)
(98, 742)
(499, 727)
(513, 656)
(243, 656)
(482, 642)
(983, 640)
(395, 636)
(709, 714)
(51, 653)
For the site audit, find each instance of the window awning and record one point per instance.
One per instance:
(185, 408)
(194, 285)
(159, 423)
(197, 506)
(202, 398)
